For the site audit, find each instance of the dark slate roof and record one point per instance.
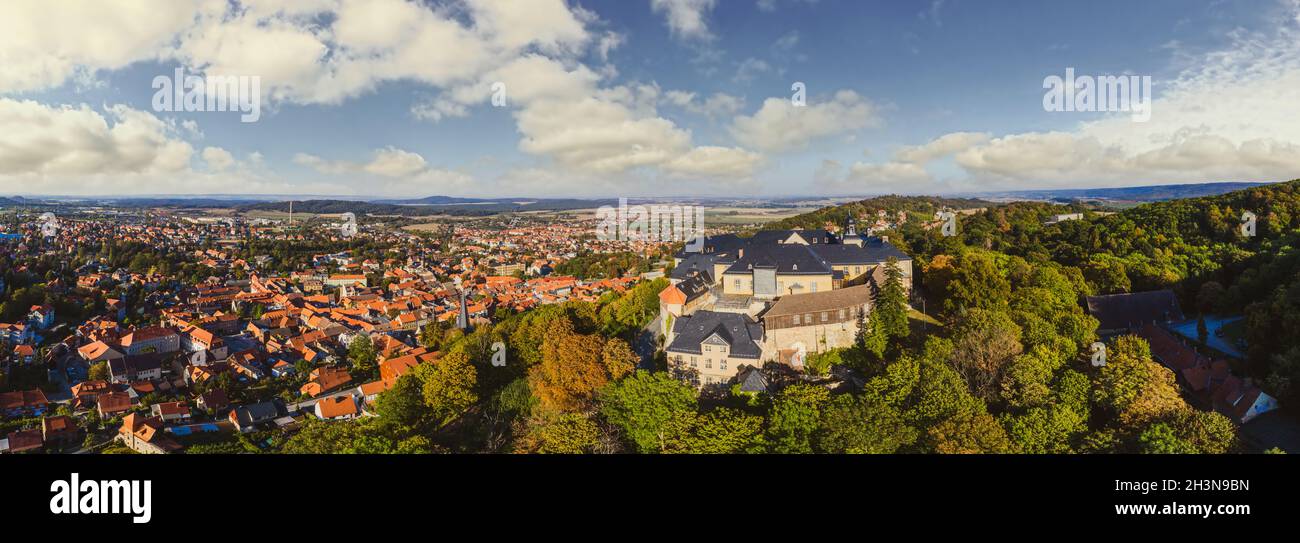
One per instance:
(786, 259)
(735, 329)
(695, 287)
(778, 236)
(721, 243)
(694, 263)
(260, 412)
(1120, 311)
(751, 379)
(135, 363)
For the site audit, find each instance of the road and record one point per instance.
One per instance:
(647, 342)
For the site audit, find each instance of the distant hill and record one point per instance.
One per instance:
(1156, 193)
(891, 204)
(433, 205)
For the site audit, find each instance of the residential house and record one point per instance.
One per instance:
(337, 407)
(61, 430)
(325, 380)
(23, 403)
(151, 339)
(25, 440)
(145, 435)
(172, 411)
(111, 403)
(247, 418)
(135, 367)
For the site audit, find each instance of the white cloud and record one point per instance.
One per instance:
(782, 126)
(687, 19)
(43, 140)
(48, 42)
(218, 159)
(940, 147)
(715, 162)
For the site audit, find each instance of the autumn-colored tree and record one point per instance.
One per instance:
(98, 371)
(448, 385)
(977, 433)
(575, 366)
(566, 433)
(984, 343)
(1134, 388)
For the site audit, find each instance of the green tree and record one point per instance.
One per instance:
(890, 310)
(643, 403)
(1160, 438)
(863, 425)
(98, 371)
(362, 354)
(402, 405)
(796, 416)
(567, 433)
(721, 431)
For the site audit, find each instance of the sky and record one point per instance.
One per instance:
(640, 98)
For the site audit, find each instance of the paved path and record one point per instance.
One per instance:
(1187, 329)
(647, 342)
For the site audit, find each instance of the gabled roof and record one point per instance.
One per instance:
(1120, 311)
(830, 300)
(736, 330)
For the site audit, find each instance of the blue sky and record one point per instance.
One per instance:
(391, 98)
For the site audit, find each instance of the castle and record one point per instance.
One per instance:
(772, 297)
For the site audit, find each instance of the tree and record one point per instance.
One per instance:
(890, 310)
(863, 425)
(448, 385)
(643, 403)
(984, 343)
(1209, 432)
(975, 433)
(575, 366)
(98, 371)
(1134, 388)
(402, 405)
(1160, 438)
(721, 431)
(567, 433)
(796, 415)
(362, 354)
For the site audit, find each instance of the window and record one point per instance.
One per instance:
(737, 283)
(708, 364)
(796, 320)
(814, 286)
(824, 317)
(693, 362)
(707, 348)
(722, 365)
(841, 314)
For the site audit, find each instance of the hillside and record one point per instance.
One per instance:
(1154, 193)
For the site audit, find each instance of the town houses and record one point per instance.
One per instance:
(160, 353)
